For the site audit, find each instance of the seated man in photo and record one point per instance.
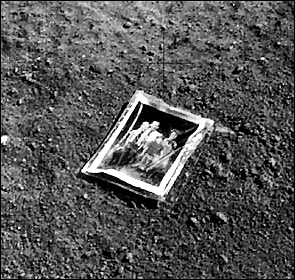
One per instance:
(152, 149)
(169, 145)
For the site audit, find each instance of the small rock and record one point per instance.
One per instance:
(33, 146)
(48, 62)
(13, 91)
(150, 53)
(95, 69)
(4, 140)
(277, 138)
(221, 217)
(20, 187)
(224, 258)
(290, 230)
(272, 161)
(20, 101)
(194, 221)
(254, 171)
(120, 269)
(129, 257)
(238, 70)
(200, 194)
(289, 189)
(143, 48)
(28, 77)
(85, 195)
(228, 156)
(127, 25)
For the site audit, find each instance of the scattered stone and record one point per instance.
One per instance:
(120, 269)
(85, 195)
(143, 48)
(95, 69)
(238, 70)
(224, 258)
(29, 77)
(254, 171)
(33, 146)
(4, 140)
(13, 91)
(200, 194)
(48, 62)
(222, 217)
(289, 189)
(127, 25)
(273, 162)
(228, 156)
(150, 53)
(194, 221)
(20, 101)
(110, 71)
(290, 230)
(129, 257)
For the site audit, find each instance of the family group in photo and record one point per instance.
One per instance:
(145, 148)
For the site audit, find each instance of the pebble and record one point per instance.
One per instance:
(129, 257)
(143, 48)
(4, 140)
(273, 162)
(13, 91)
(228, 156)
(150, 53)
(222, 217)
(277, 138)
(224, 258)
(194, 221)
(121, 269)
(127, 25)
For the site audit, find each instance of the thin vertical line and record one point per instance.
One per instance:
(163, 47)
(163, 85)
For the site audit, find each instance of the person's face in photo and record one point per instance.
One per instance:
(155, 125)
(173, 135)
(144, 125)
(159, 139)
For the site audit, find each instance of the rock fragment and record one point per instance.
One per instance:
(221, 217)
(4, 140)
(127, 25)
